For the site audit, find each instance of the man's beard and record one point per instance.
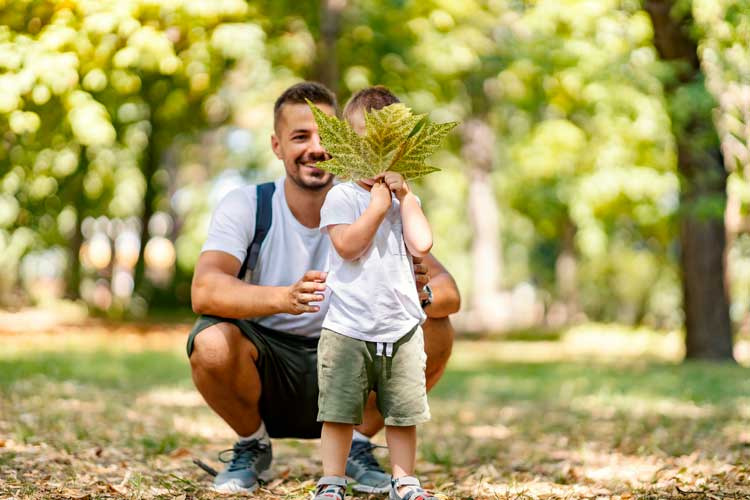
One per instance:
(313, 181)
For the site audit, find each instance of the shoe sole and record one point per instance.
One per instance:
(363, 488)
(233, 487)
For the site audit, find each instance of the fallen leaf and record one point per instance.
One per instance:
(121, 490)
(125, 479)
(180, 453)
(75, 495)
(273, 484)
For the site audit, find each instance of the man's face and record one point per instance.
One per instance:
(296, 142)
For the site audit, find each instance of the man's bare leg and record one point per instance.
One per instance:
(224, 372)
(438, 343)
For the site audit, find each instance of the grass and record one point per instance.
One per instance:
(96, 414)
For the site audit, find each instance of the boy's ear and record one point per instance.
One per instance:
(276, 146)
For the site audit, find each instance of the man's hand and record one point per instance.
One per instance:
(422, 278)
(396, 184)
(309, 289)
(380, 198)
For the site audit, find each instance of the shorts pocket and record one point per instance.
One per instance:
(342, 379)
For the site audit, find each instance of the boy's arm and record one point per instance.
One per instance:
(417, 232)
(353, 240)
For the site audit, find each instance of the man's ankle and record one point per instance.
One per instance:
(260, 434)
(358, 436)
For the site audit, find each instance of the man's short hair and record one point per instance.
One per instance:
(376, 97)
(296, 94)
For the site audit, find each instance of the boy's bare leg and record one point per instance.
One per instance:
(402, 446)
(224, 372)
(335, 441)
(438, 343)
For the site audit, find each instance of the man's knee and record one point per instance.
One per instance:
(438, 344)
(220, 347)
(438, 339)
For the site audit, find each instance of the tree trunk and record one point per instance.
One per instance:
(327, 65)
(708, 332)
(487, 308)
(151, 161)
(73, 278)
(566, 271)
(73, 281)
(703, 244)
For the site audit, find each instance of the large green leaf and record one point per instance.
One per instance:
(409, 159)
(386, 130)
(395, 140)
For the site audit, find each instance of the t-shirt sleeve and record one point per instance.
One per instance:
(233, 223)
(339, 207)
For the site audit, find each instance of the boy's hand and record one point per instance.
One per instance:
(380, 197)
(396, 184)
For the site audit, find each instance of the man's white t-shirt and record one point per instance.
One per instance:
(373, 297)
(287, 253)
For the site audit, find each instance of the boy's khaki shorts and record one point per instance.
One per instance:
(348, 369)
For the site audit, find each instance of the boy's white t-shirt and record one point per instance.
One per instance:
(374, 297)
(287, 253)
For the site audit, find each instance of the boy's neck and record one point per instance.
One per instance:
(364, 186)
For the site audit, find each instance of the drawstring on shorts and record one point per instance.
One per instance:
(385, 346)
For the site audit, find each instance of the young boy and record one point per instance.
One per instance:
(371, 338)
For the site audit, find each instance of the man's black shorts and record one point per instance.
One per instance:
(287, 365)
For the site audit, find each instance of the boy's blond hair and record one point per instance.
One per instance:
(376, 97)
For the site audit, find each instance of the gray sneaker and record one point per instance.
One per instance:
(362, 466)
(250, 462)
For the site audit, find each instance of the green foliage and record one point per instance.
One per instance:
(395, 140)
(101, 104)
(92, 97)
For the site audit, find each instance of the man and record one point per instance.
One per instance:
(259, 375)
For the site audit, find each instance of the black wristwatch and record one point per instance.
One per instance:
(426, 302)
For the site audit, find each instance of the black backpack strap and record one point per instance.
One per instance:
(263, 218)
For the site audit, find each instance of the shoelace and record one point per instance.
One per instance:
(362, 454)
(244, 454)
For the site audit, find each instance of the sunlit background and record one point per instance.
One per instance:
(592, 206)
(122, 124)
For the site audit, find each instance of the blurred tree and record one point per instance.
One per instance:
(724, 48)
(593, 158)
(703, 190)
(49, 127)
(326, 68)
(98, 91)
(158, 78)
